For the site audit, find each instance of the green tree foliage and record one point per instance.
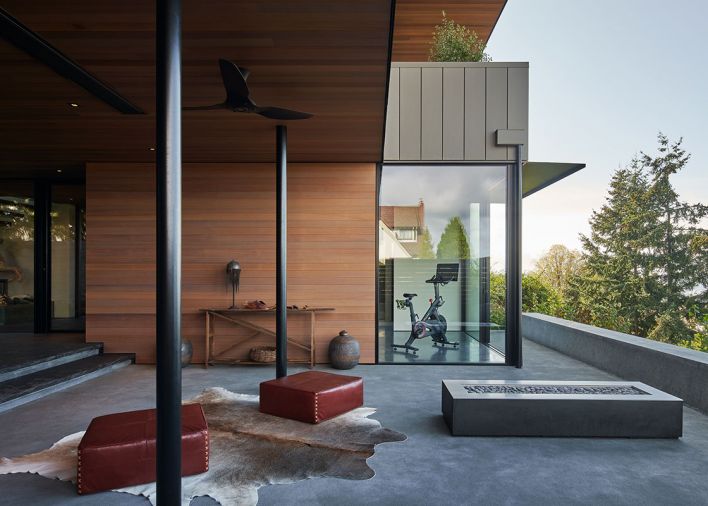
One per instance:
(453, 42)
(453, 241)
(426, 245)
(559, 266)
(678, 256)
(537, 296)
(644, 265)
(497, 298)
(698, 321)
(614, 282)
(645, 259)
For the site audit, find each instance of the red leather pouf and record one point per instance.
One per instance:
(311, 396)
(118, 450)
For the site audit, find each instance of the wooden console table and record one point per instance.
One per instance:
(239, 317)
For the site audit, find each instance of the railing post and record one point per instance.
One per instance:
(168, 259)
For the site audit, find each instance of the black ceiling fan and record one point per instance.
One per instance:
(238, 96)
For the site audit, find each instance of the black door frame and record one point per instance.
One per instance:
(43, 197)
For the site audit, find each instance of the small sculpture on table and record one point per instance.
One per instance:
(233, 272)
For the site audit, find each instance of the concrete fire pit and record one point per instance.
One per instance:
(560, 408)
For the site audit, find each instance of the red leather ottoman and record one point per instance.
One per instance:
(118, 450)
(311, 396)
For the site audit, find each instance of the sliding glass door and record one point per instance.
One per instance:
(67, 257)
(16, 257)
(42, 256)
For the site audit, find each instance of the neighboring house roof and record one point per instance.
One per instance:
(389, 245)
(403, 216)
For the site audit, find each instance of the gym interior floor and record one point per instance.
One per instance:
(468, 351)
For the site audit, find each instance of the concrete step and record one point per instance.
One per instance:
(27, 356)
(30, 387)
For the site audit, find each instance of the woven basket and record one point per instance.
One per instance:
(265, 354)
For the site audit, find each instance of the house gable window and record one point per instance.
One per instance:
(406, 234)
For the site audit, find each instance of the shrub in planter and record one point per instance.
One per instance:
(454, 42)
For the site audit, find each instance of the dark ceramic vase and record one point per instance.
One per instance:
(344, 351)
(187, 350)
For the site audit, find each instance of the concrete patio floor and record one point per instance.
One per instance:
(430, 468)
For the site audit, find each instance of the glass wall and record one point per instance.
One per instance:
(16, 257)
(67, 257)
(441, 264)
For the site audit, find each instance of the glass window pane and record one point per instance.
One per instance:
(16, 257)
(67, 240)
(441, 264)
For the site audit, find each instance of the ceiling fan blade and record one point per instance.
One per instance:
(235, 83)
(279, 113)
(205, 107)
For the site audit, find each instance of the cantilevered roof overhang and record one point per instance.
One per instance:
(539, 175)
(327, 57)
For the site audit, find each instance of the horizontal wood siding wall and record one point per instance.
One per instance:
(229, 212)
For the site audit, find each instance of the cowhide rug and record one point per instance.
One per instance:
(248, 449)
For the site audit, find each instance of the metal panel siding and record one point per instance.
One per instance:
(496, 111)
(518, 113)
(391, 144)
(453, 113)
(410, 114)
(475, 113)
(431, 114)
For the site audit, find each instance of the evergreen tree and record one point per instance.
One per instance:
(678, 261)
(614, 281)
(426, 245)
(646, 259)
(453, 241)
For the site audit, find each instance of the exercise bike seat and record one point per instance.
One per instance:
(410, 295)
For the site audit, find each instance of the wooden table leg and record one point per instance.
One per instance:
(312, 339)
(207, 335)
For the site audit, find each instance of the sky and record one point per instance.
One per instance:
(605, 77)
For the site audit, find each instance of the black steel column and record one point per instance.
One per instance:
(169, 257)
(513, 263)
(281, 251)
(42, 257)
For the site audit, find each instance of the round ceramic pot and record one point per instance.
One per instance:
(187, 350)
(344, 351)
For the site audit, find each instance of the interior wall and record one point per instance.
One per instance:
(229, 212)
(409, 276)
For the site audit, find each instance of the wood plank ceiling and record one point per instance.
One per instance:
(327, 57)
(416, 20)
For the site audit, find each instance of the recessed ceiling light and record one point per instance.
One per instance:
(151, 149)
(73, 104)
(59, 171)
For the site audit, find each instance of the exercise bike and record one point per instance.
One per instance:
(432, 324)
